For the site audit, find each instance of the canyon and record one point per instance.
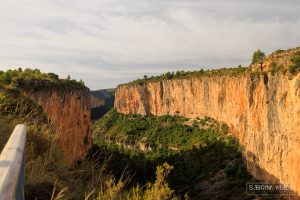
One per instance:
(261, 109)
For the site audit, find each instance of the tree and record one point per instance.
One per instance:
(145, 76)
(169, 75)
(53, 76)
(68, 77)
(258, 57)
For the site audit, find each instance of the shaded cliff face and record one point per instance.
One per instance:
(96, 102)
(262, 110)
(101, 102)
(107, 96)
(68, 111)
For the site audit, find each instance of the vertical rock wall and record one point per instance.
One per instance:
(68, 110)
(262, 111)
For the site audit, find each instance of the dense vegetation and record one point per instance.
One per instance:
(280, 51)
(34, 78)
(98, 112)
(187, 74)
(207, 161)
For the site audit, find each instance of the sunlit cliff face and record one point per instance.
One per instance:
(262, 111)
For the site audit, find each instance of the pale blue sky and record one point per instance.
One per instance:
(107, 42)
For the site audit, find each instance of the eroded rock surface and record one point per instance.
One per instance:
(68, 111)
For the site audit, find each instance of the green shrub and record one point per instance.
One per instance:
(115, 189)
(295, 66)
(275, 68)
(279, 51)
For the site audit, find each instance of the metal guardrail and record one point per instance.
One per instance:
(12, 165)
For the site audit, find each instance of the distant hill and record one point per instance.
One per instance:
(101, 102)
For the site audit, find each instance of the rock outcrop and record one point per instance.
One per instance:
(68, 111)
(261, 109)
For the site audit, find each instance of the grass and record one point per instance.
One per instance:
(15, 109)
(115, 189)
(6, 128)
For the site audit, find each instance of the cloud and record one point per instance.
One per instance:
(108, 42)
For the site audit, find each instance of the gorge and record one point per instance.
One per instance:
(216, 129)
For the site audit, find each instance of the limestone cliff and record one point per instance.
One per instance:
(68, 111)
(261, 109)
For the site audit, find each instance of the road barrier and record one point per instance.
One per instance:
(12, 165)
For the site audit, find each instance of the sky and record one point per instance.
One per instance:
(108, 42)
